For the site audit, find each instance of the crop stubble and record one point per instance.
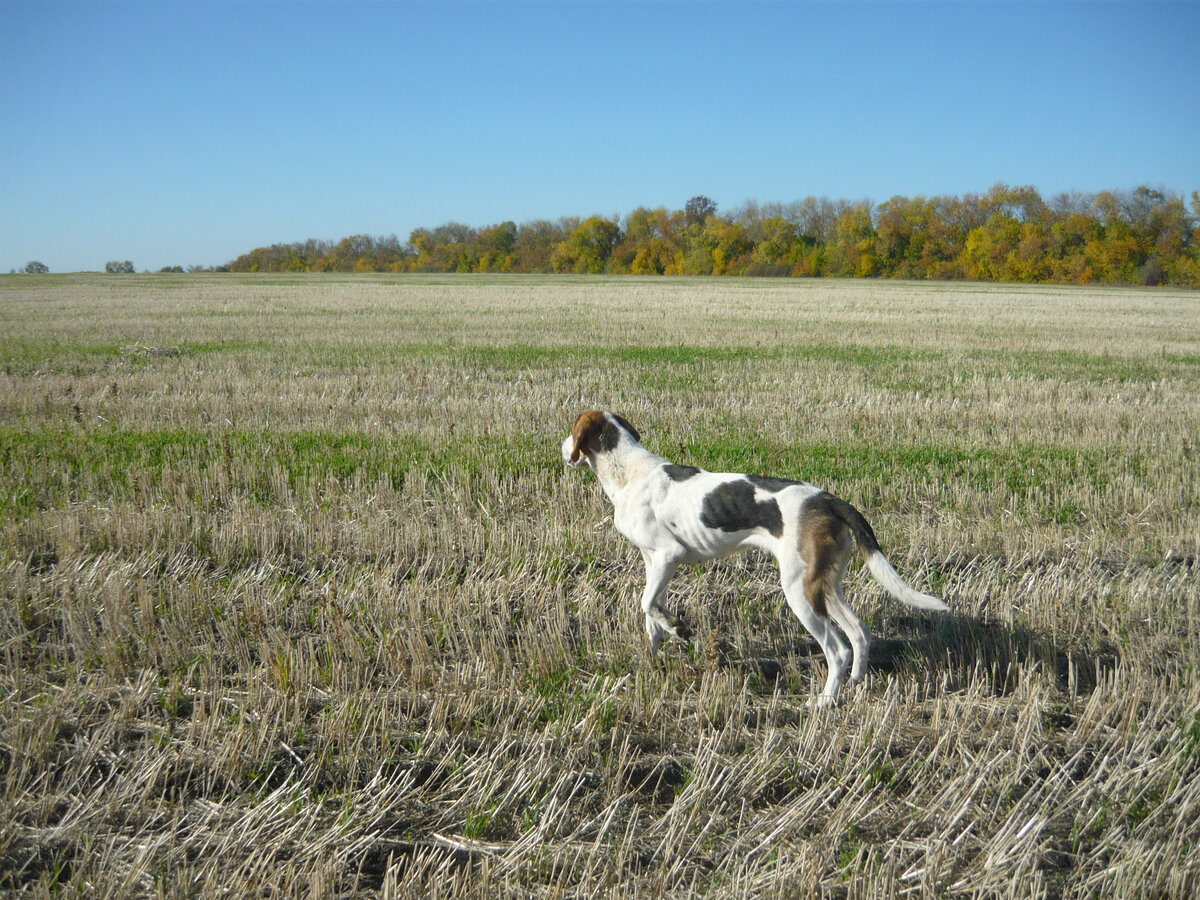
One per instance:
(298, 598)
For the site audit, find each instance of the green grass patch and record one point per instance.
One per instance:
(53, 468)
(1017, 469)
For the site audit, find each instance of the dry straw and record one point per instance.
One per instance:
(297, 598)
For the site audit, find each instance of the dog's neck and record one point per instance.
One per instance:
(615, 469)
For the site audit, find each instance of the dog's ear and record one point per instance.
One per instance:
(586, 427)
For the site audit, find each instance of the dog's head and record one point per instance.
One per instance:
(595, 432)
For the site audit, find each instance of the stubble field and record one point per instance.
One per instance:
(296, 596)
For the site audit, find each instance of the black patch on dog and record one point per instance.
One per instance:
(772, 485)
(680, 473)
(633, 432)
(608, 438)
(731, 507)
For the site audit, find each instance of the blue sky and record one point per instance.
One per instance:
(179, 133)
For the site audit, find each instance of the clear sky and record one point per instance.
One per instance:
(179, 133)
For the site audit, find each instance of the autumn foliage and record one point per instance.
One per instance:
(1141, 236)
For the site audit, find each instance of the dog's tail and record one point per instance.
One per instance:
(878, 565)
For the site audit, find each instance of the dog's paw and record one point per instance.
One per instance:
(682, 630)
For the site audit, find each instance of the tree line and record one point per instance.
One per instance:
(1141, 236)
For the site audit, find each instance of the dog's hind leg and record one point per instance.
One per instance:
(796, 587)
(827, 575)
(856, 631)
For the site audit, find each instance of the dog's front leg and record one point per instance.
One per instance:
(660, 567)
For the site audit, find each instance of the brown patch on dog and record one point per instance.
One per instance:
(587, 426)
(825, 546)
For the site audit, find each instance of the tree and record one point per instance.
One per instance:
(588, 248)
(814, 217)
(900, 236)
(119, 268)
(851, 246)
(497, 242)
(651, 245)
(1021, 203)
(535, 245)
(1009, 233)
(778, 238)
(698, 209)
(36, 268)
(500, 238)
(730, 247)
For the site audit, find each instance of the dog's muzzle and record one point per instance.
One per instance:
(568, 447)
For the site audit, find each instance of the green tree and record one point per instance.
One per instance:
(730, 246)
(652, 243)
(501, 238)
(497, 242)
(989, 246)
(1024, 204)
(779, 237)
(36, 268)
(851, 248)
(589, 247)
(1075, 238)
(901, 233)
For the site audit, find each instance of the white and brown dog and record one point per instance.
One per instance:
(682, 514)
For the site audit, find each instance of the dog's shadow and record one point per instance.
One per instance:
(956, 650)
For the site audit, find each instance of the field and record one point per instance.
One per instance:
(297, 598)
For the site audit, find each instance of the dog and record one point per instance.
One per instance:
(682, 514)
